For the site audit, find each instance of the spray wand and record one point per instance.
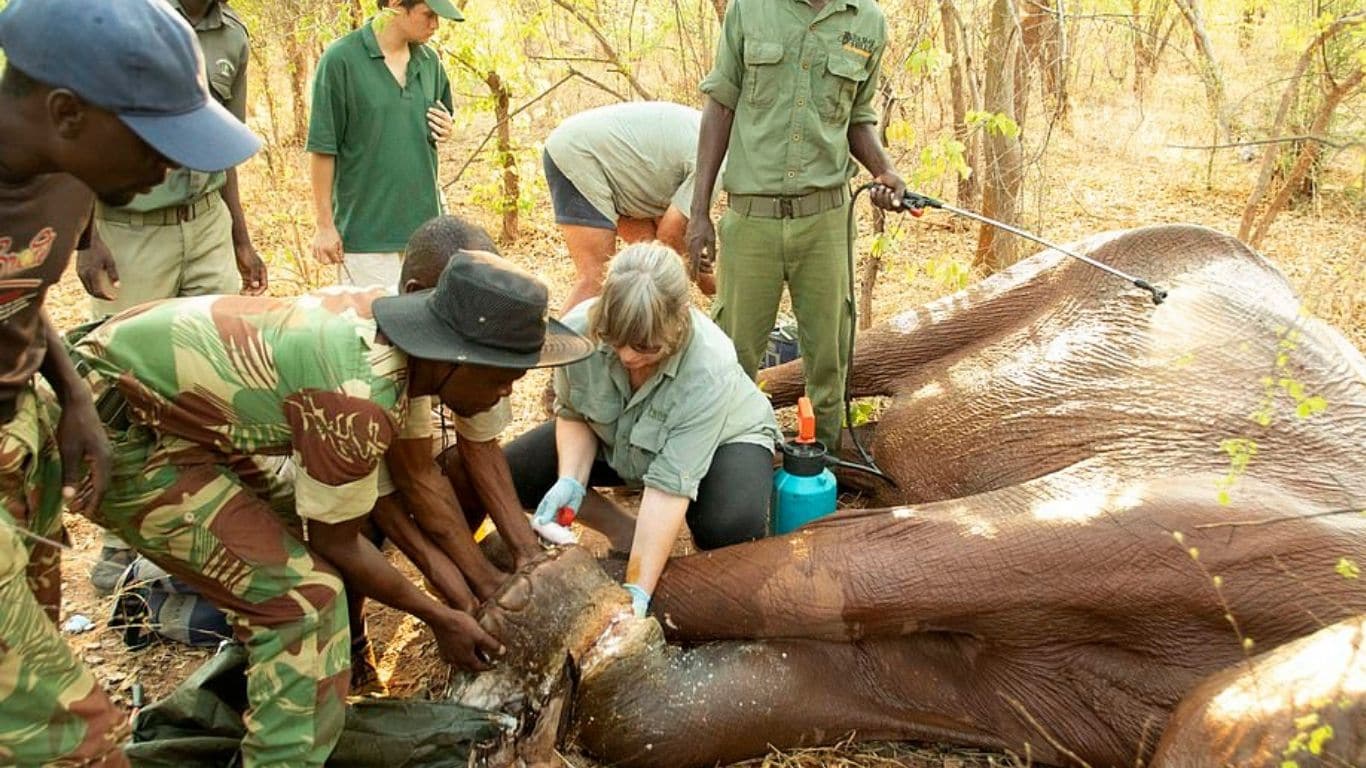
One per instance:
(915, 204)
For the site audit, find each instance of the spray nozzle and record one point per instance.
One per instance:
(806, 421)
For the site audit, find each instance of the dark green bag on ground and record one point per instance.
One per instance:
(200, 724)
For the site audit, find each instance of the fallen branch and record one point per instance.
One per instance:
(1278, 140)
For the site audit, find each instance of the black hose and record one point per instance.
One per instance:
(868, 465)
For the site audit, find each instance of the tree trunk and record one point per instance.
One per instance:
(1045, 42)
(512, 184)
(1004, 168)
(1288, 98)
(297, 60)
(963, 88)
(1209, 68)
(872, 263)
(1307, 155)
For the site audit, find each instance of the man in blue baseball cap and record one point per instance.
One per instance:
(98, 98)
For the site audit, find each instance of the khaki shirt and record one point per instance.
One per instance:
(665, 434)
(796, 79)
(223, 38)
(633, 159)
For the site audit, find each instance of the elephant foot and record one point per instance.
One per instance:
(548, 615)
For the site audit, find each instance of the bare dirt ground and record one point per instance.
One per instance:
(1114, 169)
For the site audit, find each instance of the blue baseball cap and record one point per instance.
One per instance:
(137, 59)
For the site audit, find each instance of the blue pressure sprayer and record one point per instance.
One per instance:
(804, 488)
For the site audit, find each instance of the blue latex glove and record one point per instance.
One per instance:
(566, 492)
(640, 599)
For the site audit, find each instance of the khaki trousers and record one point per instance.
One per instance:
(162, 261)
(757, 256)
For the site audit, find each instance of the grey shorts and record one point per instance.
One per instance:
(571, 207)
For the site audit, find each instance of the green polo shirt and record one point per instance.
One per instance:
(223, 38)
(385, 185)
(796, 79)
(665, 434)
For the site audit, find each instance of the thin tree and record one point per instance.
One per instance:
(1003, 175)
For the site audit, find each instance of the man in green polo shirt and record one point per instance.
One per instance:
(790, 95)
(187, 236)
(381, 103)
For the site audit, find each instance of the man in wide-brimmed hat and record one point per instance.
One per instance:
(194, 391)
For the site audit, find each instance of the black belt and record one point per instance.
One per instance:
(794, 207)
(110, 404)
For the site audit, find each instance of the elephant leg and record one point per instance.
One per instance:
(1303, 702)
(644, 704)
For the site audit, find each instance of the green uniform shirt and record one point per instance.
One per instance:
(632, 159)
(385, 184)
(223, 37)
(243, 375)
(665, 434)
(796, 79)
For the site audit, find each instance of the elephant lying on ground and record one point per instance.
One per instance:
(1053, 574)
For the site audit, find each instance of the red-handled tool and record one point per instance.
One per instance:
(564, 515)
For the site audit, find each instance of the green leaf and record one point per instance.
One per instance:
(1347, 569)
(1310, 406)
(1318, 737)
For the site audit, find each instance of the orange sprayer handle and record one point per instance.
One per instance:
(806, 421)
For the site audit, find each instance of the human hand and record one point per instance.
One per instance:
(327, 245)
(97, 271)
(701, 240)
(252, 269)
(82, 446)
(463, 642)
(566, 492)
(887, 191)
(640, 599)
(440, 122)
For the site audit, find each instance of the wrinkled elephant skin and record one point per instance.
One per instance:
(1054, 573)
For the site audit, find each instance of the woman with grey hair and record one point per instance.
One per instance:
(661, 403)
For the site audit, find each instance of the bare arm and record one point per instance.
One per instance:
(327, 244)
(393, 520)
(487, 468)
(365, 570)
(576, 446)
(657, 526)
(712, 142)
(249, 264)
(671, 228)
(435, 508)
(80, 435)
(867, 149)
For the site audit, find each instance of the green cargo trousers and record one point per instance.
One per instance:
(52, 710)
(810, 253)
(221, 524)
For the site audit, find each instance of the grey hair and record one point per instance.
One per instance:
(645, 301)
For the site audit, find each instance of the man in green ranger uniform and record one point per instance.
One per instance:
(790, 96)
(188, 236)
(194, 391)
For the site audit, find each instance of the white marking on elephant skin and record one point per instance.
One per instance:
(932, 389)
(1078, 498)
(903, 513)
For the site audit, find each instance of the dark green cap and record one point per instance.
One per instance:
(446, 9)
